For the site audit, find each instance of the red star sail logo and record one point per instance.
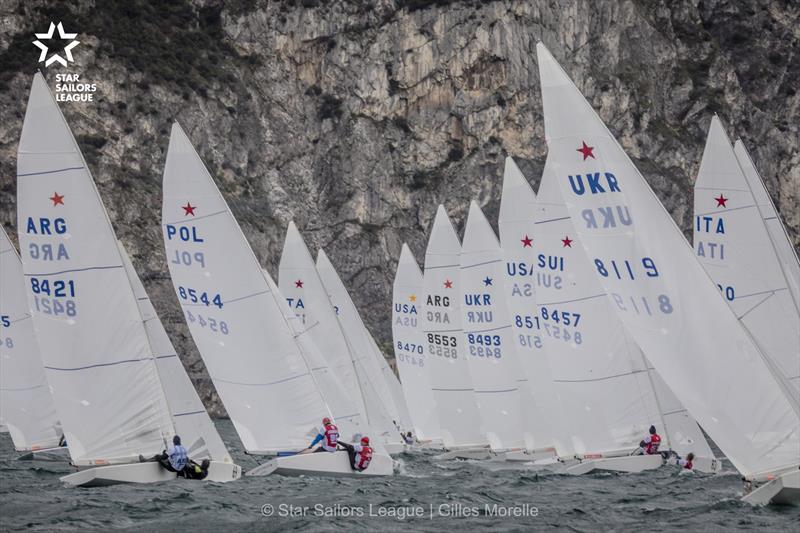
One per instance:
(57, 199)
(448, 284)
(721, 201)
(566, 242)
(298, 284)
(586, 150)
(188, 209)
(526, 242)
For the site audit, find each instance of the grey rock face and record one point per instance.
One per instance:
(357, 118)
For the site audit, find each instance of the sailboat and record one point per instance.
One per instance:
(517, 233)
(664, 297)
(456, 406)
(777, 231)
(738, 252)
(100, 365)
(487, 336)
(606, 386)
(413, 360)
(25, 399)
(274, 384)
(383, 415)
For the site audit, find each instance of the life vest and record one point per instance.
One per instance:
(652, 447)
(330, 437)
(687, 465)
(363, 458)
(178, 457)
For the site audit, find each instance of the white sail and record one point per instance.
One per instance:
(457, 410)
(517, 233)
(26, 405)
(777, 231)
(609, 391)
(93, 344)
(300, 283)
(660, 290)
(393, 385)
(734, 246)
(237, 319)
(488, 338)
(413, 361)
(189, 415)
(381, 413)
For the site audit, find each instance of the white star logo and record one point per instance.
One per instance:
(61, 35)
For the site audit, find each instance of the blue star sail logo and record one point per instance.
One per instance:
(61, 35)
(487, 281)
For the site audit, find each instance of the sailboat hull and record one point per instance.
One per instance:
(783, 490)
(322, 464)
(48, 454)
(150, 472)
(478, 453)
(395, 448)
(526, 456)
(632, 464)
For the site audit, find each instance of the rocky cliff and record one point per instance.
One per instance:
(356, 118)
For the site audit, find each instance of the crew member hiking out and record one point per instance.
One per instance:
(360, 454)
(329, 436)
(686, 464)
(650, 444)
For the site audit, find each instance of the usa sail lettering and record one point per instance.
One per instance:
(542, 277)
(405, 315)
(479, 316)
(706, 247)
(47, 226)
(213, 324)
(188, 234)
(196, 297)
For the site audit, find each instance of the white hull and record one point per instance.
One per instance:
(709, 465)
(48, 454)
(632, 464)
(395, 448)
(526, 456)
(322, 464)
(150, 472)
(784, 490)
(478, 453)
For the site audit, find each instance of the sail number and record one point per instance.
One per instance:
(58, 289)
(54, 298)
(8, 342)
(442, 345)
(195, 296)
(410, 353)
(543, 323)
(484, 345)
(624, 269)
(216, 326)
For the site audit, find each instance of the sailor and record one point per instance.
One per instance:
(328, 434)
(176, 456)
(687, 463)
(408, 438)
(360, 454)
(650, 444)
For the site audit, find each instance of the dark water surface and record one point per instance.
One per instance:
(32, 498)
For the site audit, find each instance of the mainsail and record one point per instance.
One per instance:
(413, 361)
(734, 246)
(659, 289)
(381, 412)
(189, 415)
(97, 357)
(777, 232)
(26, 405)
(517, 234)
(441, 326)
(236, 317)
(488, 338)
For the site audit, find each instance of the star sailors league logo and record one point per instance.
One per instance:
(49, 36)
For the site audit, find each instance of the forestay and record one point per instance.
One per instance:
(777, 231)
(189, 415)
(413, 361)
(734, 246)
(236, 318)
(488, 337)
(94, 347)
(660, 290)
(458, 414)
(381, 412)
(26, 405)
(516, 225)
